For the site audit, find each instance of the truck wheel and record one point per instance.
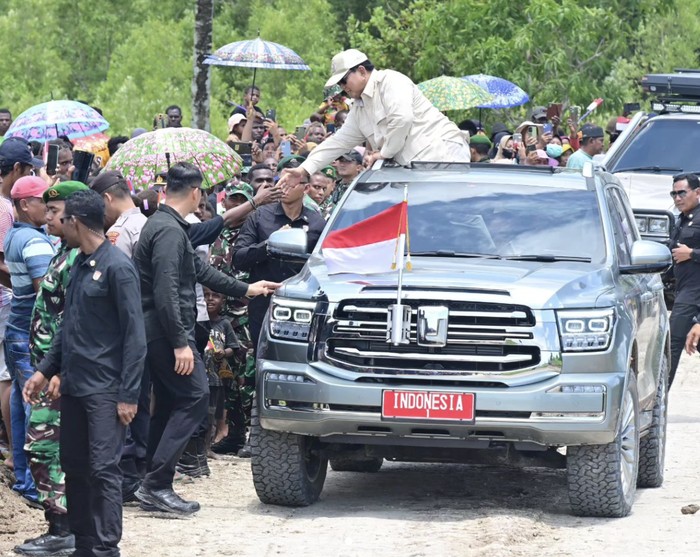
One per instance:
(288, 469)
(652, 447)
(347, 464)
(602, 479)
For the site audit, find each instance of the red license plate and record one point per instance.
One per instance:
(426, 405)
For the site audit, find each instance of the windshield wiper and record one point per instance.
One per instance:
(547, 258)
(450, 253)
(649, 169)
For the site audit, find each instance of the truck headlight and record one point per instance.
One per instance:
(585, 330)
(657, 225)
(291, 319)
(642, 224)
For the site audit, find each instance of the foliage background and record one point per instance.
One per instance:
(133, 58)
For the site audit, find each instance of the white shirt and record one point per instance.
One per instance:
(397, 119)
(125, 232)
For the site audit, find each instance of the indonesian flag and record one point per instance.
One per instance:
(374, 245)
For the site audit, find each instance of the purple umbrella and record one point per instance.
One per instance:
(52, 119)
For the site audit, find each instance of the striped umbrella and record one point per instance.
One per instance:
(257, 54)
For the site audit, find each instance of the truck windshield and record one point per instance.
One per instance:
(669, 144)
(475, 219)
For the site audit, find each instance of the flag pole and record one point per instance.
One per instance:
(399, 317)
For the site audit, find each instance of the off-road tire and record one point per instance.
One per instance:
(597, 484)
(652, 447)
(369, 464)
(287, 469)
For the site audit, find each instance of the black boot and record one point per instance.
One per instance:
(201, 444)
(57, 542)
(190, 463)
(233, 442)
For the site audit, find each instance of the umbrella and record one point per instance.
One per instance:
(143, 157)
(257, 54)
(95, 143)
(453, 93)
(52, 119)
(505, 93)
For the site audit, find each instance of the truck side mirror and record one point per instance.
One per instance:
(289, 244)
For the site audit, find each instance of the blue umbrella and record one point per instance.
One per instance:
(505, 93)
(257, 54)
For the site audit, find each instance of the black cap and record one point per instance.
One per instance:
(17, 149)
(105, 180)
(351, 156)
(591, 130)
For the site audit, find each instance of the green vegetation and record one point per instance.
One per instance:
(132, 58)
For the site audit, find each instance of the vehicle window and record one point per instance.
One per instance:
(492, 219)
(623, 241)
(665, 143)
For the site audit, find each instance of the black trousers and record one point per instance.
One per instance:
(257, 308)
(680, 323)
(91, 444)
(181, 403)
(133, 461)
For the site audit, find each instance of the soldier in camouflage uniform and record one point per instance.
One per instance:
(45, 419)
(240, 388)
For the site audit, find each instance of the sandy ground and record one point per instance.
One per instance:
(420, 509)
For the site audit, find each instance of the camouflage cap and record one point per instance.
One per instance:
(62, 190)
(246, 190)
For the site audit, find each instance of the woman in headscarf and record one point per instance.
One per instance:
(505, 153)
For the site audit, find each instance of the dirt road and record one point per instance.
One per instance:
(411, 510)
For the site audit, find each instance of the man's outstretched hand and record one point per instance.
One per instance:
(263, 287)
(290, 178)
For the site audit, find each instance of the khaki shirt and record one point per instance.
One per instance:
(396, 119)
(126, 231)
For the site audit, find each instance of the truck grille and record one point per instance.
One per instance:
(481, 337)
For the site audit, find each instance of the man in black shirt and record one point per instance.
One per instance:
(169, 270)
(99, 352)
(250, 249)
(685, 246)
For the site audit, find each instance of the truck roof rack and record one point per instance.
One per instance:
(668, 88)
(428, 165)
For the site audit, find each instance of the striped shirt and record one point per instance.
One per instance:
(28, 252)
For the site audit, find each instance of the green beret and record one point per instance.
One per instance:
(479, 139)
(329, 171)
(62, 190)
(286, 160)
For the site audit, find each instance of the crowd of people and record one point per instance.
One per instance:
(130, 319)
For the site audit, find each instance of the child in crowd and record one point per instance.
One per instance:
(222, 349)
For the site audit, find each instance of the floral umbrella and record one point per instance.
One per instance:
(52, 119)
(453, 93)
(505, 93)
(257, 54)
(142, 158)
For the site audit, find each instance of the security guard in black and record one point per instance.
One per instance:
(685, 246)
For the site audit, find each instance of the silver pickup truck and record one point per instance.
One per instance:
(537, 327)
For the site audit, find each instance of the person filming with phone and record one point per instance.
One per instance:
(390, 113)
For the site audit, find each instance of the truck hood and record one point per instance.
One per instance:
(647, 191)
(538, 285)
